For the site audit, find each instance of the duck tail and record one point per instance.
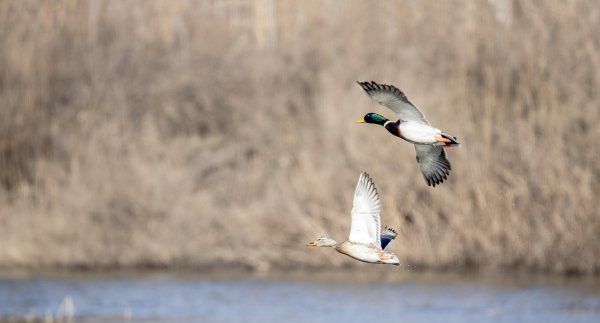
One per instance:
(453, 141)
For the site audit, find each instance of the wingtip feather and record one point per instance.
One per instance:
(390, 229)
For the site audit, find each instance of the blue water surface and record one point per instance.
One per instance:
(170, 298)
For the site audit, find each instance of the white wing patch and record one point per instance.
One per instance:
(366, 207)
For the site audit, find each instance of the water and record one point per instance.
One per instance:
(171, 298)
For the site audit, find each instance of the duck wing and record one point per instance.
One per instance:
(366, 207)
(391, 97)
(387, 236)
(433, 162)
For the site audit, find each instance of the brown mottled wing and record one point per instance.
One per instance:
(391, 97)
(434, 164)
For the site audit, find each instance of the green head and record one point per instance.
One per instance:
(373, 118)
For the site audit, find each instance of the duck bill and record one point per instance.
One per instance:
(359, 121)
(311, 244)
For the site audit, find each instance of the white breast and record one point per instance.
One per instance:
(418, 133)
(359, 252)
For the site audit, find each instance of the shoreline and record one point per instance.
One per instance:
(371, 275)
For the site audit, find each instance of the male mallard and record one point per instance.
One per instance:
(365, 242)
(413, 127)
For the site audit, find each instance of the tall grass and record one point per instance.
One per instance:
(211, 134)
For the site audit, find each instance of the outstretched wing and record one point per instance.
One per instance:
(365, 213)
(391, 97)
(433, 162)
(387, 236)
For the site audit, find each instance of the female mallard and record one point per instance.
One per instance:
(365, 242)
(413, 127)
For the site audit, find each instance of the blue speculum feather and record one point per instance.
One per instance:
(384, 242)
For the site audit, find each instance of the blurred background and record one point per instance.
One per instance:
(216, 136)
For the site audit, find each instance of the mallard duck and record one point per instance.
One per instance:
(366, 242)
(413, 127)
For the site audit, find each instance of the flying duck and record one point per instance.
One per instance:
(366, 242)
(413, 127)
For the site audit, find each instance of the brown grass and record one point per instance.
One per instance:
(209, 134)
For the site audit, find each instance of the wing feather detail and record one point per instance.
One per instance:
(433, 163)
(387, 236)
(366, 207)
(391, 97)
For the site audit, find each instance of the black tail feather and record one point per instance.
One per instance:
(452, 139)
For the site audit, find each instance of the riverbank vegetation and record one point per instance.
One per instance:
(219, 134)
